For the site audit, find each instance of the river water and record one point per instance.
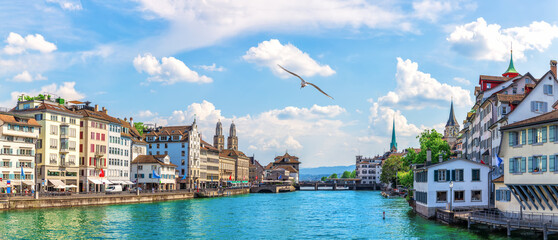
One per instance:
(296, 215)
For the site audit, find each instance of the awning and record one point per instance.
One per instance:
(128, 183)
(71, 186)
(105, 181)
(57, 183)
(3, 184)
(28, 182)
(95, 180)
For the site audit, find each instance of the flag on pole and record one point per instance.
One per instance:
(499, 160)
(184, 177)
(22, 174)
(102, 173)
(155, 175)
(230, 177)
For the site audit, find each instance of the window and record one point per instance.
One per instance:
(547, 89)
(166, 145)
(476, 195)
(515, 165)
(488, 85)
(38, 117)
(503, 195)
(552, 160)
(514, 138)
(458, 175)
(475, 175)
(539, 107)
(458, 196)
(441, 196)
(537, 164)
(157, 145)
(440, 175)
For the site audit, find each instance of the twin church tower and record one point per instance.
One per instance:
(219, 139)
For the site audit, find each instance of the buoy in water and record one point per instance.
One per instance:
(384, 215)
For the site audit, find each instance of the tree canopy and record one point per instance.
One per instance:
(334, 176)
(346, 174)
(139, 126)
(391, 166)
(429, 139)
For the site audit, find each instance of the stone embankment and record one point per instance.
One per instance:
(102, 199)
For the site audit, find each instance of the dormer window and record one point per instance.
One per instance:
(175, 138)
(488, 85)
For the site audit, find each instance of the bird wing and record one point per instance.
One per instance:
(319, 89)
(292, 73)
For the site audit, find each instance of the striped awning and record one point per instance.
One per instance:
(57, 183)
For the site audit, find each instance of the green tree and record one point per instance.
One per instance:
(405, 178)
(324, 178)
(390, 168)
(410, 157)
(430, 139)
(346, 174)
(353, 174)
(334, 176)
(139, 126)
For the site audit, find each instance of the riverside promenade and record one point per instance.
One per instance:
(74, 200)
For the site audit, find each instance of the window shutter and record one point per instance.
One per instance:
(512, 165)
(498, 195)
(532, 106)
(530, 163)
(545, 107)
(544, 134)
(508, 198)
(530, 136)
(453, 175)
(448, 176)
(523, 164)
(435, 175)
(510, 138)
(551, 163)
(551, 134)
(544, 163)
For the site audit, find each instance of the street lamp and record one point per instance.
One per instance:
(451, 194)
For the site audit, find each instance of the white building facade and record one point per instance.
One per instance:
(154, 172)
(432, 186)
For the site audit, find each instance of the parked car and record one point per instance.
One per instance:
(113, 188)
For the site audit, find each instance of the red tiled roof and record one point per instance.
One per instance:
(287, 157)
(151, 159)
(20, 120)
(541, 119)
(499, 180)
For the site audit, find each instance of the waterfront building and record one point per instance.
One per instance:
(287, 161)
(281, 174)
(56, 156)
(210, 156)
(226, 168)
(369, 172)
(256, 170)
(119, 151)
(456, 183)
(154, 172)
(182, 144)
(501, 101)
(452, 129)
(138, 146)
(530, 156)
(18, 135)
(241, 164)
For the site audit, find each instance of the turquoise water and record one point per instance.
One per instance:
(297, 215)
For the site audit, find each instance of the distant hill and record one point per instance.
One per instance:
(311, 174)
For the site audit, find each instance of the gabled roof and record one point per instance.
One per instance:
(92, 114)
(511, 98)
(48, 106)
(170, 131)
(207, 146)
(499, 180)
(452, 160)
(141, 159)
(233, 153)
(288, 168)
(19, 120)
(534, 86)
(541, 119)
(287, 158)
(493, 78)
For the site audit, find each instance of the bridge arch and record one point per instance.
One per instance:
(265, 191)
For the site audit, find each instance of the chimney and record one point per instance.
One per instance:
(428, 157)
(553, 66)
(125, 119)
(96, 107)
(131, 121)
(104, 110)
(440, 158)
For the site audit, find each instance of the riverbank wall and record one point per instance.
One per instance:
(101, 199)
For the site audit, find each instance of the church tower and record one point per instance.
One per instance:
(393, 144)
(219, 139)
(233, 139)
(511, 72)
(452, 128)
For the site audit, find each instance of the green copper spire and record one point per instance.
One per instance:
(511, 68)
(393, 144)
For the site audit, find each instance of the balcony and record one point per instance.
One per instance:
(64, 149)
(99, 153)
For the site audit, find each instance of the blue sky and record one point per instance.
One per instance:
(165, 61)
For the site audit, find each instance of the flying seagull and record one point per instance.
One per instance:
(304, 83)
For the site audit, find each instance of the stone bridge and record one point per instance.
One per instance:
(272, 189)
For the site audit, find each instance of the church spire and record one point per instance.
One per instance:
(451, 120)
(511, 72)
(393, 144)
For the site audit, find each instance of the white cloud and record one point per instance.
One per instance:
(25, 76)
(71, 5)
(212, 68)
(65, 90)
(416, 89)
(462, 80)
(483, 41)
(146, 113)
(18, 44)
(432, 10)
(168, 71)
(307, 132)
(272, 52)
